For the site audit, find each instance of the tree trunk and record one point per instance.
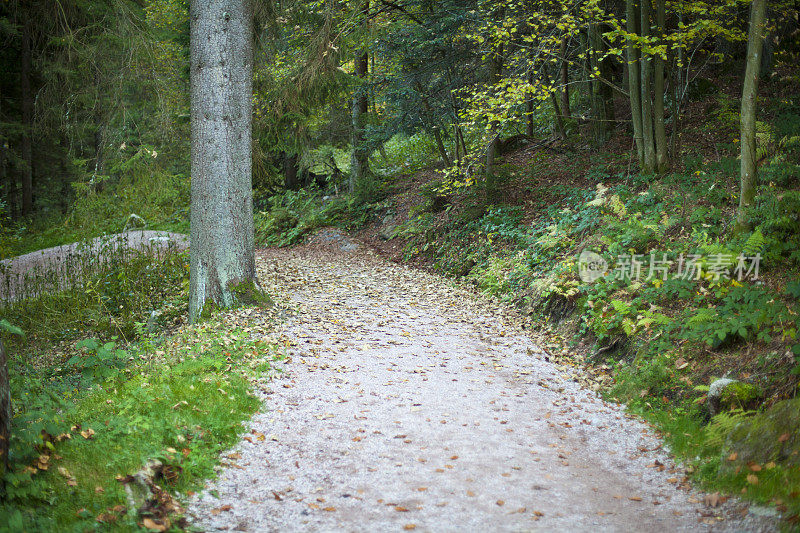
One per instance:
(440, 146)
(290, 172)
(530, 106)
(662, 152)
(222, 260)
(646, 98)
(5, 411)
(495, 73)
(27, 119)
(359, 164)
(565, 111)
(755, 44)
(634, 79)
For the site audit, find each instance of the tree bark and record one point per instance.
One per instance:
(646, 67)
(495, 73)
(530, 107)
(27, 119)
(440, 146)
(290, 172)
(5, 411)
(359, 164)
(662, 152)
(222, 261)
(748, 174)
(634, 79)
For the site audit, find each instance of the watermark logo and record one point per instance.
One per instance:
(657, 266)
(591, 266)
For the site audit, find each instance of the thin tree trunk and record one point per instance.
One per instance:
(440, 146)
(27, 120)
(529, 107)
(647, 90)
(222, 260)
(359, 165)
(565, 111)
(437, 135)
(290, 172)
(495, 73)
(634, 79)
(755, 44)
(662, 152)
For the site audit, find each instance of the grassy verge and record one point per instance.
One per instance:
(81, 427)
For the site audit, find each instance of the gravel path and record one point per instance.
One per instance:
(410, 404)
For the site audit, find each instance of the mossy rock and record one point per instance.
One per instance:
(773, 435)
(740, 395)
(725, 394)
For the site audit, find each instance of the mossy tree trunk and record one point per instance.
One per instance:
(222, 249)
(634, 78)
(646, 72)
(748, 174)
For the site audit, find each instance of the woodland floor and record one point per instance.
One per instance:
(410, 403)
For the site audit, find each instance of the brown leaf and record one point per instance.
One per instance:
(752, 479)
(329, 509)
(500, 503)
(149, 523)
(218, 510)
(88, 434)
(409, 527)
(681, 363)
(733, 456)
(783, 438)
(400, 509)
(712, 500)
(635, 498)
(755, 467)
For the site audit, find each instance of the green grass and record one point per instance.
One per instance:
(181, 402)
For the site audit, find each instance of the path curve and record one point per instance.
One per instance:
(410, 404)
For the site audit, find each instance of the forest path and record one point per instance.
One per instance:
(410, 404)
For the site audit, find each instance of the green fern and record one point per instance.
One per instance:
(704, 315)
(722, 424)
(755, 244)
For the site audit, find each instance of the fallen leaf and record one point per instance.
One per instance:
(733, 456)
(500, 503)
(755, 467)
(635, 498)
(409, 527)
(149, 523)
(218, 510)
(783, 438)
(400, 509)
(752, 479)
(88, 434)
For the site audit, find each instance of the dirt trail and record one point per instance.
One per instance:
(410, 404)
